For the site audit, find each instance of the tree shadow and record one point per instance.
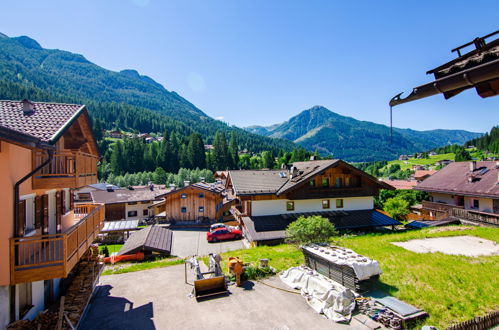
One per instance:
(108, 312)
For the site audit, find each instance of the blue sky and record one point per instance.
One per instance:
(261, 62)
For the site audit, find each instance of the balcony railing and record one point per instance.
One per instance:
(476, 216)
(440, 207)
(44, 257)
(66, 170)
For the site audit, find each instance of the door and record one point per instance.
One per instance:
(52, 213)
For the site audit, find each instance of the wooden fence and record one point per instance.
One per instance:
(478, 323)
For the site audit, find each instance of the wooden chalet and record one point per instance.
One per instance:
(466, 191)
(268, 200)
(46, 150)
(196, 203)
(152, 240)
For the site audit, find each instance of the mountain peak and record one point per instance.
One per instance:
(28, 42)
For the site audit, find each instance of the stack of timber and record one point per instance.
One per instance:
(83, 282)
(337, 263)
(44, 320)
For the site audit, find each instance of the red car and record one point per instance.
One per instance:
(222, 234)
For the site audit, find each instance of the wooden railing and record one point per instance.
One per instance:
(43, 257)
(72, 169)
(476, 216)
(441, 207)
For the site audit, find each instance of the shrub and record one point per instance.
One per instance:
(398, 208)
(314, 229)
(105, 251)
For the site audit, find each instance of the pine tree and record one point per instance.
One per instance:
(220, 151)
(195, 152)
(233, 151)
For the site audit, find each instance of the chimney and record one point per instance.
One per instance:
(28, 107)
(497, 165)
(313, 157)
(472, 166)
(187, 183)
(293, 172)
(202, 179)
(109, 188)
(172, 186)
(151, 187)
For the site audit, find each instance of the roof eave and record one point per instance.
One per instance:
(57, 135)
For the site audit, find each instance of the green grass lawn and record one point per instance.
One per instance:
(127, 267)
(405, 164)
(450, 288)
(111, 247)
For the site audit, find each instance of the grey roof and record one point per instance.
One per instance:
(258, 182)
(126, 195)
(45, 123)
(273, 227)
(152, 238)
(279, 181)
(102, 186)
(120, 225)
(457, 178)
(210, 187)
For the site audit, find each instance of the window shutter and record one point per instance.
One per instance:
(38, 212)
(22, 217)
(58, 211)
(45, 214)
(63, 201)
(71, 200)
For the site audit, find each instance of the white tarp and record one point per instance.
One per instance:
(322, 294)
(363, 267)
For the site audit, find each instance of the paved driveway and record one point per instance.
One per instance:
(190, 242)
(159, 299)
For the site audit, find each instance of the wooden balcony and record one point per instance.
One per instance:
(439, 207)
(44, 257)
(476, 217)
(66, 170)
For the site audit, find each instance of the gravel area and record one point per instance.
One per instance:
(470, 246)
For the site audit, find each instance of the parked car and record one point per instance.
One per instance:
(216, 226)
(222, 234)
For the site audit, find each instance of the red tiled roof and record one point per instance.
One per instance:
(456, 178)
(401, 184)
(423, 173)
(44, 123)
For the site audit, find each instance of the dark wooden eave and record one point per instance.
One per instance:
(477, 69)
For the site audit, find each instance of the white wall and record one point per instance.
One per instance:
(274, 207)
(443, 198)
(486, 204)
(4, 306)
(139, 207)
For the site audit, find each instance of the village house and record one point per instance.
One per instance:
(421, 175)
(403, 157)
(83, 194)
(196, 203)
(116, 134)
(46, 150)
(401, 184)
(128, 203)
(267, 201)
(468, 191)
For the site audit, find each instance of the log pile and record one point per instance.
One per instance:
(79, 292)
(75, 300)
(44, 320)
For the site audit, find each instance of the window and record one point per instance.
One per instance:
(339, 182)
(325, 204)
(339, 203)
(325, 182)
(312, 183)
(200, 195)
(201, 209)
(145, 212)
(183, 196)
(183, 209)
(290, 206)
(25, 299)
(476, 204)
(132, 213)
